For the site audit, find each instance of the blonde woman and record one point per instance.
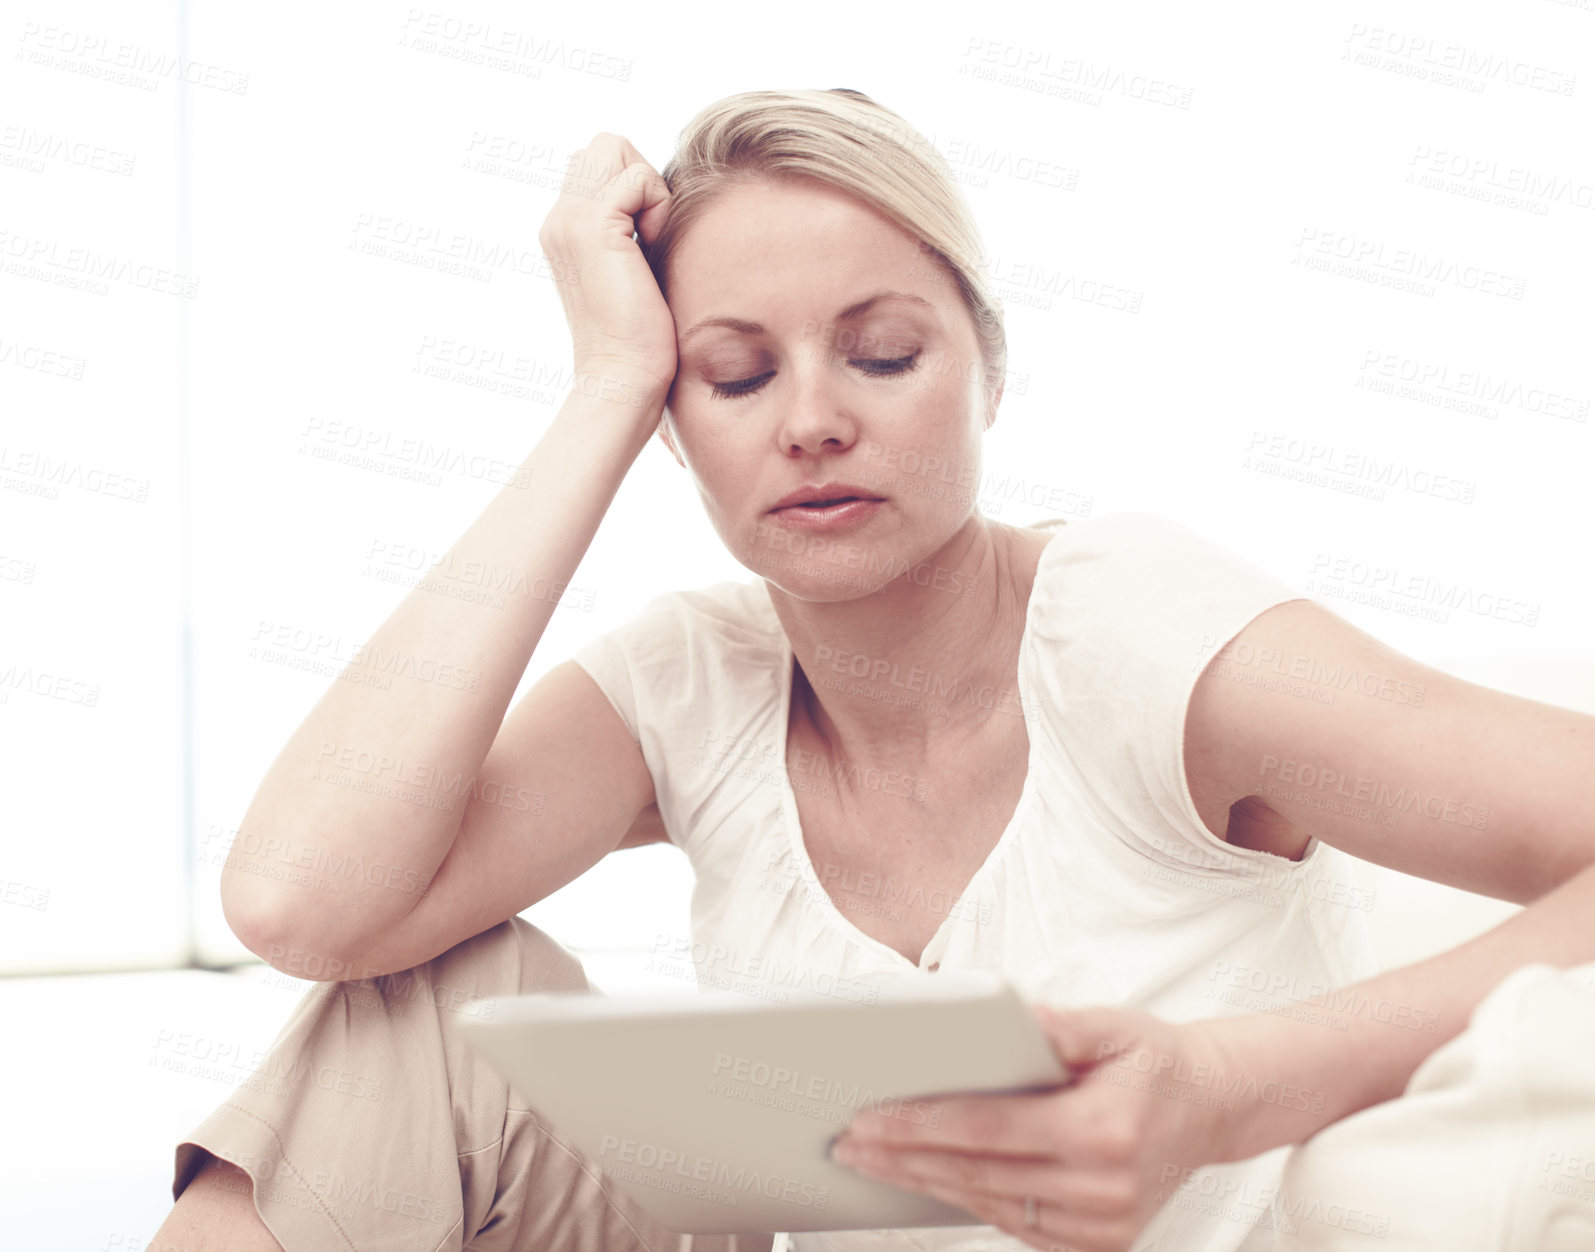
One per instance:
(917, 739)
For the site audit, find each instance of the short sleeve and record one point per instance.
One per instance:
(689, 672)
(1127, 612)
(604, 659)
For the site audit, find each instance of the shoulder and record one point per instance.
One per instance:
(1117, 562)
(1129, 608)
(732, 613)
(1127, 533)
(677, 637)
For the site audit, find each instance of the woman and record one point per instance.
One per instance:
(919, 737)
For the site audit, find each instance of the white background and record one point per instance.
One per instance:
(1152, 190)
(1169, 195)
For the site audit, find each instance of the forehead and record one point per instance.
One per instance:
(793, 239)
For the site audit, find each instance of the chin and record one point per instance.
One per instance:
(823, 584)
(813, 567)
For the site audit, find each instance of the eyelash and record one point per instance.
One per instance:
(747, 386)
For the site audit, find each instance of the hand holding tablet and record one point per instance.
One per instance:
(716, 1111)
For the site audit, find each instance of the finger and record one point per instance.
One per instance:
(1092, 1192)
(639, 192)
(972, 1171)
(1069, 1232)
(652, 217)
(1056, 1230)
(1011, 1125)
(591, 169)
(1003, 1213)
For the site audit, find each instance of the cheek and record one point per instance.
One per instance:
(944, 404)
(720, 464)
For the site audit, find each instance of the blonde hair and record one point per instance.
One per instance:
(842, 138)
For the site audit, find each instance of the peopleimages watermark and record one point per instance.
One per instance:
(1370, 793)
(756, 761)
(1022, 282)
(839, 341)
(369, 447)
(305, 647)
(22, 895)
(1258, 878)
(752, 1081)
(305, 864)
(1412, 594)
(932, 477)
(1399, 268)
(758, 974)
(1267, 1207)
(32, 148)
(867, 892)
(47, 361)
(1242, 655)
(885, 678)
(321, 1189)
(1569, 1174)
(1065, 78)
(335, 762)
(16, 569)
(47, 684)
(514, 51)
(1451, 64)
(120, 62)
(503, 372)
(86, 269)
(973, 162)
(839, 555)
(394, 991)
(1310, 1000)
(409, 565)
(1202, 1083)
(461, 254)
(40, 474)
(677, 1171)
(258, 1069)
(1357, 473)
(763, 760)
(1481, 178)
(1468, 391)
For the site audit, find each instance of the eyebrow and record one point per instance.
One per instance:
(851, 311)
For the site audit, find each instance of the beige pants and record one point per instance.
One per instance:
(370, 1124)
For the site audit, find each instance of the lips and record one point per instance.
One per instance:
(820, 495)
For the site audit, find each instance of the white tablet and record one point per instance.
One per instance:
(715, 1111)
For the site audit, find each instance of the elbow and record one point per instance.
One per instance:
(285, 942)
(245, 912)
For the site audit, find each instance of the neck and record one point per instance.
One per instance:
(923, 663)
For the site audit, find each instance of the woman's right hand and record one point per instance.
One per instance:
(624, 335)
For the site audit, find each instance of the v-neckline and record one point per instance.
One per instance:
(790, 820)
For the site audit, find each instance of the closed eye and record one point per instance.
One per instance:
(870, 366)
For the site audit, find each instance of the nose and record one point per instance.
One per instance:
(815, 419)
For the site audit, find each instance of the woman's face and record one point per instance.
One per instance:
(819, 343)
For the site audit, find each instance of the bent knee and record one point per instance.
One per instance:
(511, 958)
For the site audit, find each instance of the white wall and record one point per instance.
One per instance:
(93, 460)
(1164, 242)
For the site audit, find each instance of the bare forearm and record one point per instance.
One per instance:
(1359, 1045)
(379, 771)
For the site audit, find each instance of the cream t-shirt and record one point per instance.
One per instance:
(1105, 888)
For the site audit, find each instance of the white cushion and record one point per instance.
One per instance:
(1491, 1146)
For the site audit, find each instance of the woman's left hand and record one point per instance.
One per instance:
(1099, 1156)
